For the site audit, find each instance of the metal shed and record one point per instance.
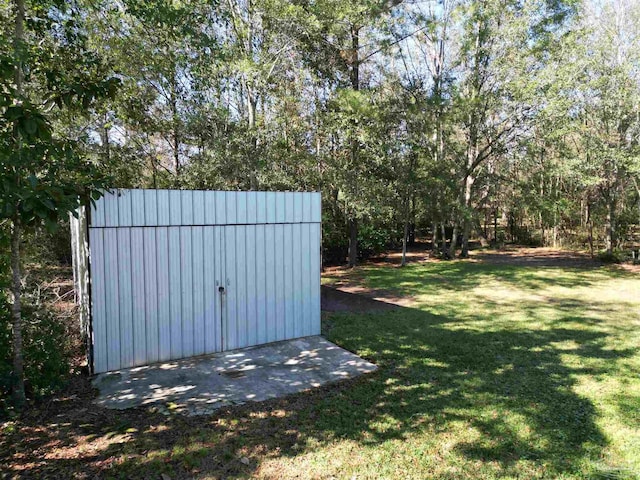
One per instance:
(179, 273)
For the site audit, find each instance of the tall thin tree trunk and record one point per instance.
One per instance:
(590, 225)
(434, 238)
(611, 225)
(353, 242)
(16, 315)
(405, 236)
(466, 224)
(454, 241)
(353, 143)
(16, 232)
(443, 232)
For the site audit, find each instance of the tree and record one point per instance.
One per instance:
(43, 177)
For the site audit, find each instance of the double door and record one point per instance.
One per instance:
(169, 292)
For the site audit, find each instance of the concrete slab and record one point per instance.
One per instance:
(200, 385)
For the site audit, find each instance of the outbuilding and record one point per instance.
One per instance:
(169, 274)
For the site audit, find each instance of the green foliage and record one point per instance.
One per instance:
(45, 348)
(374, 240)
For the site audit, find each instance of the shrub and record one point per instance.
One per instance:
(46, 344)
(611, 257)
(373, 240)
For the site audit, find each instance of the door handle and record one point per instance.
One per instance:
(221, 289)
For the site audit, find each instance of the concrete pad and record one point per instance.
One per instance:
(200, 385)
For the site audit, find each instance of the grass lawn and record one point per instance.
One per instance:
(494, 371)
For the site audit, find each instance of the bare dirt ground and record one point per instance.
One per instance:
(539, 256)
(344, 300)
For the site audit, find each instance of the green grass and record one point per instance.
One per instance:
(501, 371)
(497, 371)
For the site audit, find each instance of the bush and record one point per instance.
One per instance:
(46, 353)
(46, 344)
(373, 240)
(611, 257)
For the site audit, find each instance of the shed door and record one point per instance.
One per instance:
(155, 294)
(272, 283)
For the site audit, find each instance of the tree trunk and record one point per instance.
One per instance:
(404, 241)
(611, 225)
(353, 143)
(590, 224)
(16, 316)
(466, 224)
(454, 242)
(443, 232)
(16, 232)
(353, 242)
(434, 238)
(482, 232)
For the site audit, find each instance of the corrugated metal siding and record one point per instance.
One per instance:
(155, 208)
(158, 258)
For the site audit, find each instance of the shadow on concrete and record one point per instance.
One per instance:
(199, 385)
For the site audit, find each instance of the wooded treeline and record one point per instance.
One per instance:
(491, 119)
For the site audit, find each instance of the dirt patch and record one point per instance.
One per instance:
(334, 300)
(536, 257)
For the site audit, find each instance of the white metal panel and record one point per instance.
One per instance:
(261, 207)
(314, 276)
(231, 208)
(175, 207)
(271, 278)
(164, 287)
(251, 315)
(186, 199)
(229, 331)
(238, 283)
(316, 209)
(210, 208)
(150, 207)
(98, 305)
(124, 208)
(163, 207)
(221, 208)
(280, 283)
(271, 206)
(298, 289)
(261, 300)
(241, 207)
(97, 213)
(140, 355)
(212, 307)
(112, 301)
(198, 207)
(198, 275)
(186, 290)
(125, 296)
(151, 291)
(137, 208)
(175, 291)
(252, 207)
(110, 205)
(288, 265)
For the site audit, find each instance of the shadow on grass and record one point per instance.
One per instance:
(461, 276)
(511, 389)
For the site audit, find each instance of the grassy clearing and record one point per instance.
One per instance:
(513, 371)
(496, 371)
